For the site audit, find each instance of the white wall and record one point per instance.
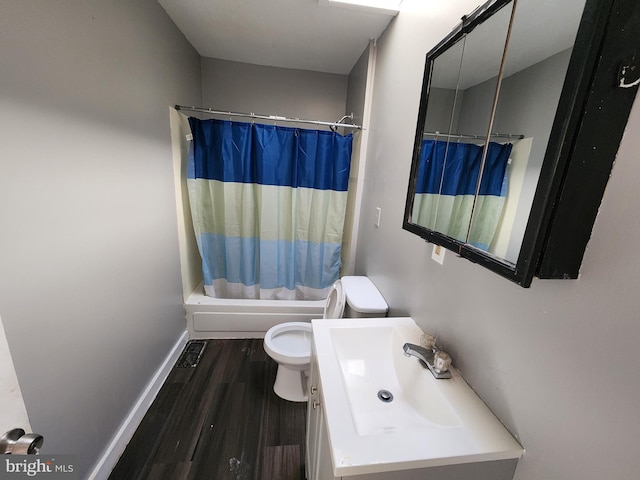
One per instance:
(359, 89)
(247, 88)
(90, 291)
(558, 363)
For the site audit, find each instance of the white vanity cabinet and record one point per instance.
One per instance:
(354, 439)
(318, 465)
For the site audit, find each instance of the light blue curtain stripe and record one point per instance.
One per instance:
(268, 206)
(260, 261)
(272, 254)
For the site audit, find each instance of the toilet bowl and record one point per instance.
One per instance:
(289, 344)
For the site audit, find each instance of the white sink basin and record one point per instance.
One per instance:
(428, 423)
(372, 361)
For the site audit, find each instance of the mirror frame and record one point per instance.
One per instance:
(549, 249)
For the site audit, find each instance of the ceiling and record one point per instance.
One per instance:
(299, 34)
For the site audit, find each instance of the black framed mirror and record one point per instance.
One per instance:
(502, 112)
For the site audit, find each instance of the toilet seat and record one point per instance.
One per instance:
(289, 343)
(334, 308)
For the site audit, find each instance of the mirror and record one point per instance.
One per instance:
(450, 160)
(490, 102)
(535, 68)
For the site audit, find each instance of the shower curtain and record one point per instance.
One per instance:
(446, 188)
(268, 206)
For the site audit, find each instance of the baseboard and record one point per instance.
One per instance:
(110, 456)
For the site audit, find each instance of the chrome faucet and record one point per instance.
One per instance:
(427, 358)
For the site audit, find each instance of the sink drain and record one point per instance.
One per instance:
(385, 395)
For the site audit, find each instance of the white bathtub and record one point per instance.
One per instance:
(209, 317)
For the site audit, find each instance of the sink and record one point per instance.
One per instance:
(372, 361)
(416, 422)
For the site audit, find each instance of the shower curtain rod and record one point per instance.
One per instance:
(274, 118)
(474, 137)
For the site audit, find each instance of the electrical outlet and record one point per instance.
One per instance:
(438, 254)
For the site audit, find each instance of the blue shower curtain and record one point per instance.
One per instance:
(268, 206)
(446, 186)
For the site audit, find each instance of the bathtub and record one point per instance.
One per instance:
(209, 317)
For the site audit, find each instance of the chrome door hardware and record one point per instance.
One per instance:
(17, 442)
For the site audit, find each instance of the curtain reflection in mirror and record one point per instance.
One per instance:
(446, 185)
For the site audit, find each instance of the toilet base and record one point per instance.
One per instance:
(291, 384)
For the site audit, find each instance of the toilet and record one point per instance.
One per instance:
(289, 344)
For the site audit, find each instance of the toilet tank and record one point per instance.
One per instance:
(362, 298)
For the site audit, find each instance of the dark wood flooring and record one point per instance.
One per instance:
(219, 420)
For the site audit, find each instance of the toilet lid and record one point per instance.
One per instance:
(334, 308)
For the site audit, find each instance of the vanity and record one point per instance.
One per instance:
(374, 413)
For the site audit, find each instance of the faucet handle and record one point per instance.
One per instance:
(427, 341)
(441, 361)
